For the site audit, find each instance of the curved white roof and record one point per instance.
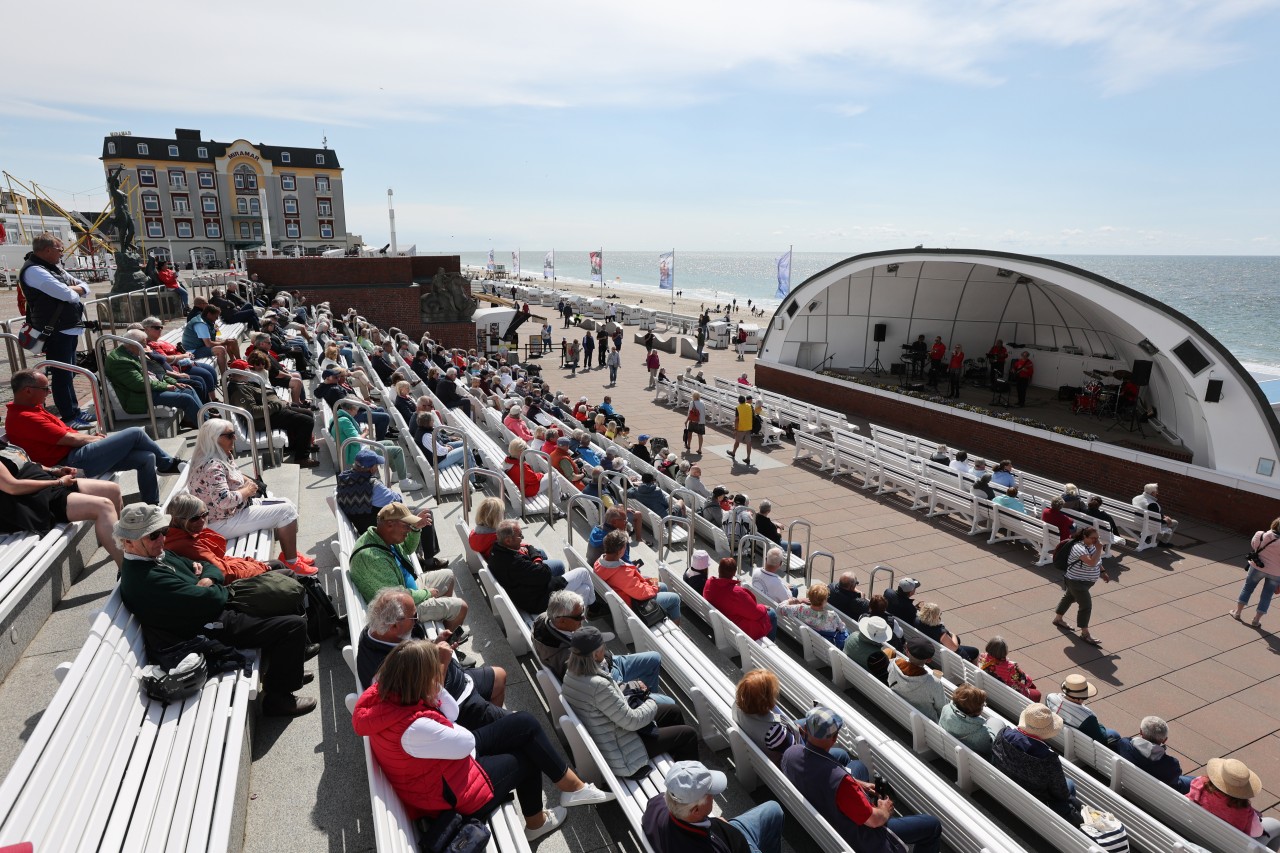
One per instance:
(1071, 320)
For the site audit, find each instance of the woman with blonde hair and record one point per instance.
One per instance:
(489, 514)
(436, 765)
(929, 621)
(825, 621)
(232, 499)
(534, 483)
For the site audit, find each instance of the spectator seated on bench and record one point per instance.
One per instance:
(842, 795)
(768, 579)
(229, 496)
(962, 719)
(563, 462)
(696, 575)
(203, 377)
(436, 765)
(381, 558)
(337, 384)
(124, 371)
(489, 513)
(627, 724)
(1149, 501)
(1022, 754)
(680, 817)
(277, 375)
(34, 499)
(552, 631)
(446, 453)
(760, 718)
(911, 678)
(615, 518)
(772, 530)
(816, 613)
(929, 623)
(1148, 751)
(625, 579)
(200, 338)
(527, 575)
(843, 595)
(1225, 791)
(1069, 705)
(175, 600)
(189, 536)
(345, 426)
(296, 420)
(361, 495)
(50, 442)
(736, 602)
(869, 647)
(995, 662)
(479, 690)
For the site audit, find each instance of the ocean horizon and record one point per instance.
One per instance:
(1235, 298)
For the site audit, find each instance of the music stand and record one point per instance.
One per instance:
(1000, 392)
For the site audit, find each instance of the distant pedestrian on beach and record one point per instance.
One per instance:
(741, 343)
(617, 339)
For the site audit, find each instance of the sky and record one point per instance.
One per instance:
(1037, 126)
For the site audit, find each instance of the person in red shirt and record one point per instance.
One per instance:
(167, 276)
(1020, 373)
(997, 356)
(48, 441)
(937, 353)
(1054, 515)
(955, 369)
(738, 604)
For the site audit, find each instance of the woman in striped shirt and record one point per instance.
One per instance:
(1084, 567)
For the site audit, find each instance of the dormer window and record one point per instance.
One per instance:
(285, 157)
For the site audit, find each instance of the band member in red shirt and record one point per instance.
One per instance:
(1020, 372)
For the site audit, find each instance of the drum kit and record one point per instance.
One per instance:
(1098, 398)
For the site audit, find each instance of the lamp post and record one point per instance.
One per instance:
(391, 213)
(266, 221)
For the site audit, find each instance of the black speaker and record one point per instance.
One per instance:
(882, 330)
(1213, 391)
(1141, 373)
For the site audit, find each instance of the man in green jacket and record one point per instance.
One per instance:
(176, 600)
(129, 381)
(381, 559)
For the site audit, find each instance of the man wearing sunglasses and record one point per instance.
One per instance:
(176, 600)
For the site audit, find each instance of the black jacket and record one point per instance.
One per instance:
(529, 582)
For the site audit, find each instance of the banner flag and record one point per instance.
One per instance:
(667, 270)
(784, 275)
(489, 266)
(515, 264)
(597, 264)
(549, 265)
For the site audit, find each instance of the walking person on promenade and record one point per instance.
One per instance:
(652, 364)
(1084, 567)
(1263, 565)
(588, 346)
(742, 417)
(614, 361)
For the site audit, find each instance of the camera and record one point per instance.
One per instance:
(883, 790)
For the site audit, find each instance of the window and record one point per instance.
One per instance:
(244, 230)
(177, 179)
(324, 207)
(288, 182)
(111, 148)
(184, 228)
(319, 159)
(212, 229)
(173, 151)
(181, 204)
(144, 150)
(326, 230)
(291, 206)
(147, 177)
(239, 178)
(205, 179)
(322, 183)
(291, 228)
(242, 206)
(257, 230)
(255, 207)
(202, 153)
(155, 228)
(151, 202)
(285, 157)
(209, 203)
(246, 178)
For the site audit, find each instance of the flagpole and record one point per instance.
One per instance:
(671, 314)
(602, 270)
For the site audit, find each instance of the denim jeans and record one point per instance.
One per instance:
(641, 666)
(773, 623)
(669, 602)
(453, 457)
(62, 347)
(1251, 581)
(794, 547)
(128, 450)
(762, 826)
(556, 567)
(613, 374)
(185, 400)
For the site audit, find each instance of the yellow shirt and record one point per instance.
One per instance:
(744, 417)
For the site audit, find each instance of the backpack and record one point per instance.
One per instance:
(695, 415)
(323, 620)
(1062, 555)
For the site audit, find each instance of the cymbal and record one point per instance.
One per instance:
(1097, 374)
(1122, 374)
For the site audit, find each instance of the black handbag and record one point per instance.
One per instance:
(649, 611)
(450, 832)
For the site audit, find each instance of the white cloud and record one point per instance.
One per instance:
(17, 108)
(849, 110)
(403, 60)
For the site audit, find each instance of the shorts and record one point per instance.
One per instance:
(441, 579)
(742, 435)
(256, 516)
(439, 609)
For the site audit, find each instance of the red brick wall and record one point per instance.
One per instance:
(381, 289)
(1180, 495)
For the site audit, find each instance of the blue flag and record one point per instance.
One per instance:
(667, 270)
(784, 275)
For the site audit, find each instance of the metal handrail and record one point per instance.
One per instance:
(467, 461)
(808, 542)
(109, 390)
(15, 351)
(238, 416)
(94, 388)
(467, 486)
(809, 566)
(264, 388)
(872, 583)
(586, 500)
(746, 539)
(669, 522)
(375, 445)
(553, 490)
(608, 478)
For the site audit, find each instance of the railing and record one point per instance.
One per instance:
(14, 350)
(100, 348)
(808, 542)
(745, 540)
(813, 559)
(445, 432)
(871, 584)
(237, 416)
(481, 473)
(668, 523)
(88, 374)
(587, 501)
(374, 444)
(265, 391)
(552, 491)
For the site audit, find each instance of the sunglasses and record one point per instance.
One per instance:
(201, 517)
(152, 537)
(576, 617)
(227, 435)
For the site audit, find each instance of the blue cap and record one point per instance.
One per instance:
(368, 458)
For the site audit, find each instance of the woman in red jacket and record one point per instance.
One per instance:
(738, 604)
(428, 758)
(534, 483)
(166, 275)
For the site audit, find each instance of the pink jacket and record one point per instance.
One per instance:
(1269, 555)
(1247, 819)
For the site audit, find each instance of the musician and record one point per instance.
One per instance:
(937, 353)
(955, 370)
(1020, 372)
(997, 356)
(918, 351)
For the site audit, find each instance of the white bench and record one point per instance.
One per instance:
(1009, 525)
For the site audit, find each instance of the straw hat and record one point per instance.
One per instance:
(1038, 721)
(1077, 686)
(1233, 778)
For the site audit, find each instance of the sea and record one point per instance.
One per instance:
(1236, 298)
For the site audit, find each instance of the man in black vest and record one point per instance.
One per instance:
(53, 302)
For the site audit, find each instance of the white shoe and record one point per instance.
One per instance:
(410, 485)
(553, 818)
(587, 795)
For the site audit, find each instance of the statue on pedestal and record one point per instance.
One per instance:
(129, 273)
(449, 300)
